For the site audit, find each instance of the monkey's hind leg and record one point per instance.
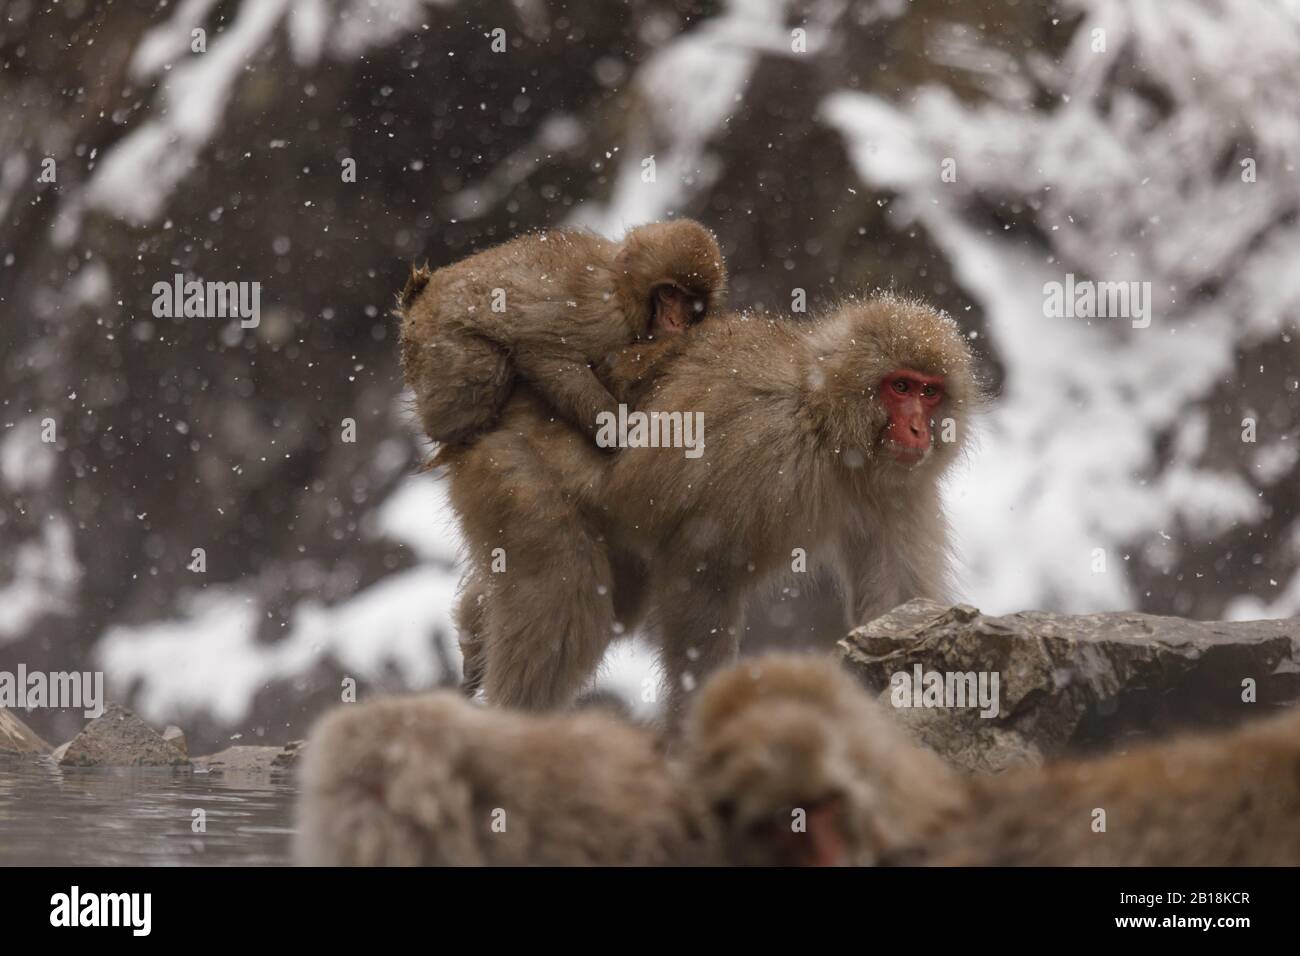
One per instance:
(699, 629)
(460, 383)
(549, 616)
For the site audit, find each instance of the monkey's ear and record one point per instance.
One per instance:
(681, 253)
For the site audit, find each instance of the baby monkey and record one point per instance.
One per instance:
(547, 307)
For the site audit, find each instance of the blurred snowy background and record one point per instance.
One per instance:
(1108, 139)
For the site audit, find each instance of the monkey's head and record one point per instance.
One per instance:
(798, 766)
(670, 275)
(891, 383)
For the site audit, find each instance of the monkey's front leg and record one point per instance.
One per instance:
(570, 386)
(471, 611)
(876, 576)
(700, 622)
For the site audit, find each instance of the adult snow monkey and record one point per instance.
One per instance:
(826, 438)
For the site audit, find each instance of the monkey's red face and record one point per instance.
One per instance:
(910, 399)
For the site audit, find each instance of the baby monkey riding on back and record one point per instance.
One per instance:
(547, 307)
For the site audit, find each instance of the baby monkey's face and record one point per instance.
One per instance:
(673, 310)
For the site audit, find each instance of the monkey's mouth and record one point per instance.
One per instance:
(675, 313)
(674, 321)
(672, 324)
(906, 454)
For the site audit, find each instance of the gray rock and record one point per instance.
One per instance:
(290, 755)
(1073, 682)
(118, 738)
(176, 737)
(17, 737)
(252, 759)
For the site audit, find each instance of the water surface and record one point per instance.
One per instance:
(92, 816)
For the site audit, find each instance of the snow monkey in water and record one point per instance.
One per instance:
(772, 738)
(546, 307)
(436, 780)
(785, 760)
(782, 738)
(825, 439)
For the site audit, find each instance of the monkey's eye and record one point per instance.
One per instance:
(725, 810)
(929, 391)
(900, 386)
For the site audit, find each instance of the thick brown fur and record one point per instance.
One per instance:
(770, 733)
(567, 300)
(785, 760)
(1224, 799)
(793, 458)
(435, 780)
(421, 780)
(782, 732)
(795, 766)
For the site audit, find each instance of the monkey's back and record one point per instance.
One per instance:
(550, 291)
(535, 289)
(436, 780)
(1226, 799)
(757, 476)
